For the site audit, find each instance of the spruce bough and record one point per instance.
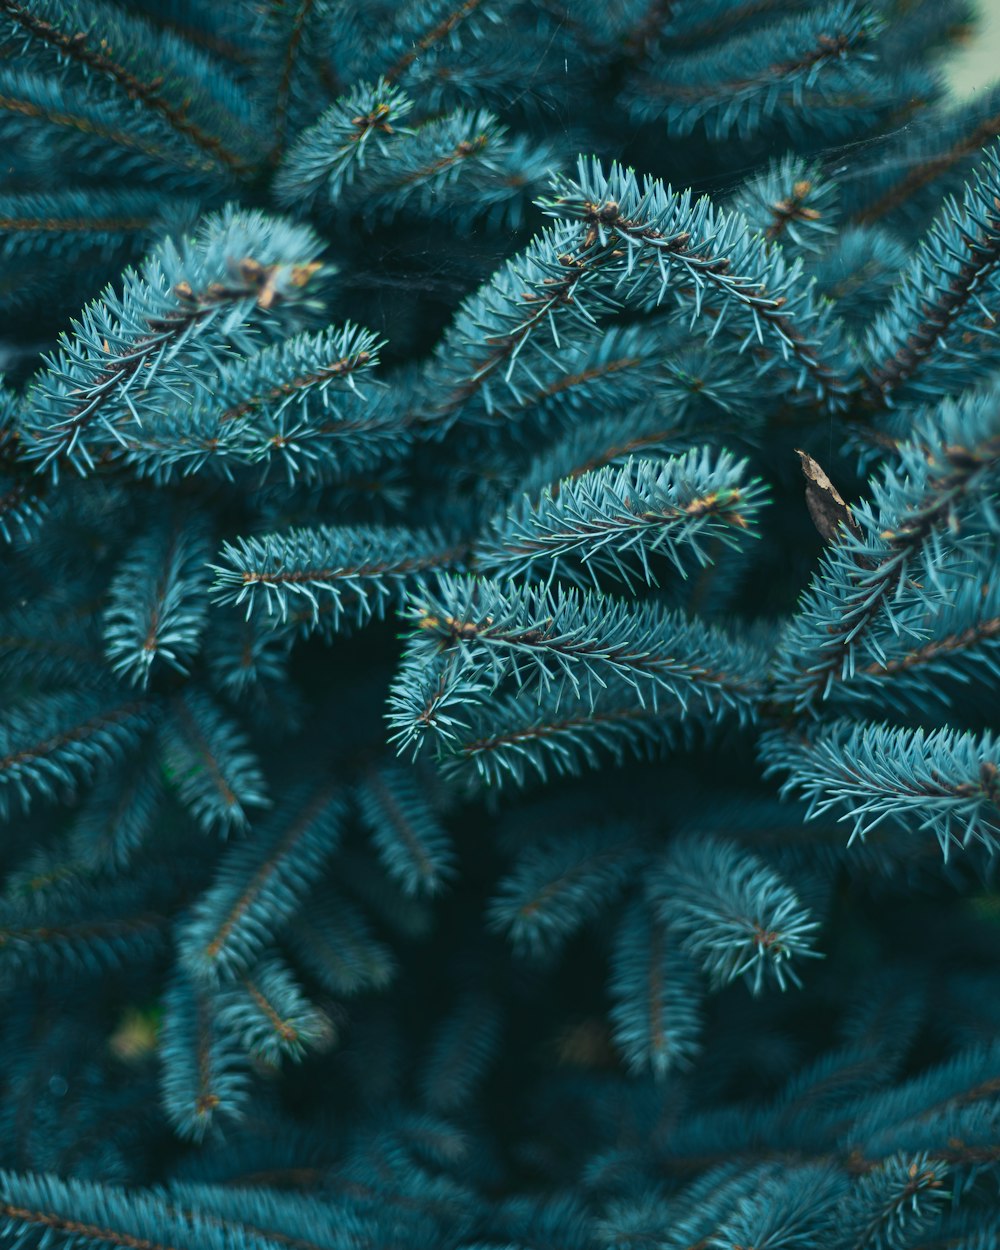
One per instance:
(461, 785)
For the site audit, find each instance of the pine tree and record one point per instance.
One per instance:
(501, 548)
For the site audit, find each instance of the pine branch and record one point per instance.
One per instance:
(208, 760)
(119, 814)
(329, 155)
(733, 914)
(132, 73)
(270, 1015)
(67, 1212)
(363, 570)
(300, 406)
(430, 699)
(462, 166)
(54, 224)
(52, 743)
(461, 1054)
(884, 572)
(86, 932)
(802, 1203)
(926, 160)
(336, 944)
(940, 297)
(445, 18)
(158, 606)
(558, 884)
(792, 204)
(705, 24)
(655, 1013)
(619, 247)
(652, 238)
(413, 846)
(303, 10)
(258, 886)
(204, 1075)
(239, 267)
(614, 440)
(613, 521)
(263, 1215)
(743, 82)
(50, 643)
(485, 342)
(901, 1196)
(861, 274)
(590, 372)
(244, 655)
(969, 1079)
(217, 31)
(961, 648)
(940, 781)
(96, 132)
(506, 740)
(560, 640)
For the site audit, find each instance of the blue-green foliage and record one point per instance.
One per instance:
(334, 940)
(258, 884)
(411, 843)
(461, 1054)
(655, 1013)
(900, 563)
(792, 203)
(328, 156)
(53, 741)
(205, 1075)
(904, 177)
(157, 608)
(429, 822)
(118, 815)
(362, 160)
(944, 782)
(558, 884)
(79, 928)
(562, 641)
(788, 1209)
(292, 411)
(800, 65)
(267, 1010)
(939, 319)
(514, 740)
(612, 521)
(731, 913)
(897, 1201)
(132, 353)
(645, 241)
(91, 232)
(209, 763)
(343, 573)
